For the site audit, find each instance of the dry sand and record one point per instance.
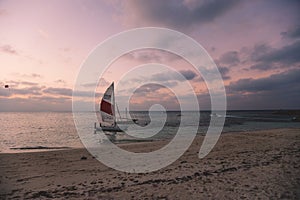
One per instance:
(253, 165)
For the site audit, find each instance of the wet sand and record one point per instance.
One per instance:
(248, 165)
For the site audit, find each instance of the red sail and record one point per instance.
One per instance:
(106, 107)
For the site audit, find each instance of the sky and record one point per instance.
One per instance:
(255, 45)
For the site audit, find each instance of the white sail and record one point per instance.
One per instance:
(107, 107)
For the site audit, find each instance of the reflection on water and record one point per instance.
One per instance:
(57, 129)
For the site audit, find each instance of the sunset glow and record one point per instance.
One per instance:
(255, 45)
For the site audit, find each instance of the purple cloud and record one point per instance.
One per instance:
(177, 13)
(230, 58)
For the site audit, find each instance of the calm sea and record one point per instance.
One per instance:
(36, 131)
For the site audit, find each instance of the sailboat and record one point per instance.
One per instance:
(125, 120)
(108, 115)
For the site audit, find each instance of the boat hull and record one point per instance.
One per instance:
(110, 128)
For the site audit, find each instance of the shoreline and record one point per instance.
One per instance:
(33, 149)
(256, 164)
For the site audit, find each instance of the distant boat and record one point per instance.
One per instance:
(215, 115)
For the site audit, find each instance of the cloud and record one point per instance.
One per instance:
(58, 91)
(25, 88)
(230, 58)
(30, 76)
(148, 88)
(170, 84)
(21, 83)
(51, 99)
(292, 33)
(259, 51)
(262, 66)
(102, 82)
(188, 74)
(264, 57)
(4, 92)
(41, 103)
(8, 49)
(144, 56)
(176, 13)
(60, 81)
(150, 55)
(224, 71)
(34, 90)
(67, 92)
(147, 95)
(287, 55)
(282, 81)
(34, 75)
(278, 91)
(167, 76)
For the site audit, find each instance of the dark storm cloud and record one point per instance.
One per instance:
(268, 58)
(283, 82)
(176, 13)
(276, 91)
(287, 55)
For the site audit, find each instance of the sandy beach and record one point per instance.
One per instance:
(248, 165)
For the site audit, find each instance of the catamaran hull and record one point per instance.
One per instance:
(110, 129)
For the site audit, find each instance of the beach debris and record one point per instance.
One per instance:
(37, 147)
(83, 158)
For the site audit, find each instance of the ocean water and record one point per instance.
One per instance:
(36, 131)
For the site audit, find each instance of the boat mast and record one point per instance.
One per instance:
(113, 96)
(118, 111)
